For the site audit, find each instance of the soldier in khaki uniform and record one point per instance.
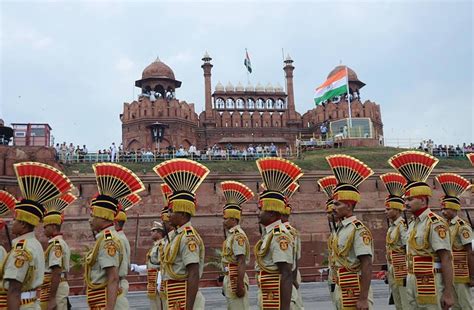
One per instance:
(152, 267)
(168, 234)
(55, 289)
(352, 244)
(23, 270)
(7, 203)
(396, 239)
(327, 184)
(125, 204)
(236, 247)
(454, 186)
(105, 261)
(428, 244)
(274, 256)
(183, 258)
(296, 299)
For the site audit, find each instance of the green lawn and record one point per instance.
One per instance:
(376, 158)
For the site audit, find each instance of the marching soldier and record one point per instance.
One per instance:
(296, 300)
(454, 186)
(274, 252)
(106, 259)
(428, 244)
(168, 234)
(55, 289)
(152, 267)
(236, 247)
(23, 270)
(7, 203)
(327, 184)
(183, 260)
(125, 204)
(352, 244)
(396, 239)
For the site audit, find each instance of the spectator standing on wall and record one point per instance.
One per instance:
(324, 131)
(113, 152)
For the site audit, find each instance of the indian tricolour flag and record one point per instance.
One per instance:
(334, 86)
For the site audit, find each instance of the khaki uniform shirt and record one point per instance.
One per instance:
(296, 243)
(235, 244)
(162, 246)
(59, 254)
(397, 236)
(351, 240)
(125, 266)
(427, 234)
(25, 259)
(276, 246)
(185, 248)
(461, 233)
(3, 255)
(153, 256)
(110, 254)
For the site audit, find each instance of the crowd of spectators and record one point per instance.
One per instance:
(445, 150)
(69, 154)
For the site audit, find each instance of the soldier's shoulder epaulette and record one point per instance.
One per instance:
(20, 245)
(108, 234)
(277, 230)
(358, 224)
(433, 217)
(461, 222)
(189, 231)
(56, 242)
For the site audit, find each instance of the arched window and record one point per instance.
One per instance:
(240, 103)
(229, 103)
(260, 103)
(250, 103)
(220, 103)
(270, 103)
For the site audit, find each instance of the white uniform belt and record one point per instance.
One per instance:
(28, 295)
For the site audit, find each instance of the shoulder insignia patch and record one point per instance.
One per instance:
(21, 257)
(192, 245)
(366, 237)
(240, 239)
(111, 247)
(441, 230)
(466, 234)
(58, 250)
(284, 242)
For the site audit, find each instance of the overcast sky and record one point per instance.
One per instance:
(73, 64)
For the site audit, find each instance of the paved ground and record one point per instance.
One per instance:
(315, 296)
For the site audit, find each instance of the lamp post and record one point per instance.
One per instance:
(157, 133)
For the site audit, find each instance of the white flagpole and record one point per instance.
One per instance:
(349, 103)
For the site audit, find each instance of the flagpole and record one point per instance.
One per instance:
(349, 104)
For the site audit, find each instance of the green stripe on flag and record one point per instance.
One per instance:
(332, 93)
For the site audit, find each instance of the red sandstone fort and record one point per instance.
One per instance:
(240, 115)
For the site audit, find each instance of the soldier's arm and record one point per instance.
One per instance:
(286, 283)
(470, 262)
(295, 275)
(447, 300)
(192, 285)
(240, 276)
(55, 280)
(366, 275)
(13, 295)
(112, 286)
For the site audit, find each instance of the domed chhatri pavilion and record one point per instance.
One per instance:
(240, 114)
